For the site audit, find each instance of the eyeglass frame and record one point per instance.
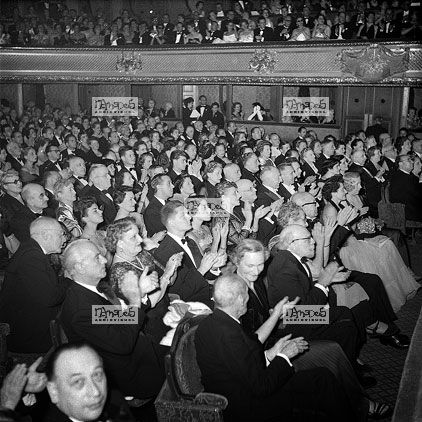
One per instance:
(309, 238)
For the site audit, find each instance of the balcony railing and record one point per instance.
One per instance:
(309, 63)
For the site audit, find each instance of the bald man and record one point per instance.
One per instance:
(32, 293)
(267, 223)
(133, 361)
(36, 201)
(77, 385)
(232, 172)
(233, 364)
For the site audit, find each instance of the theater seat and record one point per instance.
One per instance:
(182, 396)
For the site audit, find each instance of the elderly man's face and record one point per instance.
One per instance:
(79, 387)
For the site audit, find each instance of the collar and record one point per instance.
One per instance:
(177, 239)
(271, 189)
(405, 172)
(160, 200)
(91, 288)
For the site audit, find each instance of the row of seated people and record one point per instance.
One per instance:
(236, 25)
(143, 228)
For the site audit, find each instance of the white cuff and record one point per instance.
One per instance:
(323, 288)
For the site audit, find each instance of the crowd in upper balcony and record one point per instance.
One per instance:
(261, 21)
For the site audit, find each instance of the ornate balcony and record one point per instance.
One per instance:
(310, 63)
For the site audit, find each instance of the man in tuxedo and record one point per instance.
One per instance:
(71, 148)
(179, 161)
(14, 156)
(250, 168)
(78, 168)
(406, 188)
(86, 398)
(162, 187)
(127, 165)
(53, 162)
(36, 202)
(168, 26)
(328, 150)
(263, 33)
(132, 360)
(267, 225)
(267, 192)
(32, 293)
(388, 27)
(100, 182)
(288, 186)
(259, 385)
(212, 34)
(204, 109)
(177, 36)
(190, 283)
(342, 30)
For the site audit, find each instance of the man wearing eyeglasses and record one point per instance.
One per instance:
(53, 162)
(32, 294)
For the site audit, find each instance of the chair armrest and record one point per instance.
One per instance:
(211, 399)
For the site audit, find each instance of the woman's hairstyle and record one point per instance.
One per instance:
(350, 179)
(119, 179)
(288, 212)
(210, 167)
(304, 151)
(331, 186)
(142, 159)
(120, 194)
(188, 100)
(261, 145)
(222, 187)
(247, 246)
(193, 203)
(60, 185)
(399, 143)
(25, 151)
(179, 181)
(313, 143)
(115, 231)
(81, 207)
(329, 164)
(237, 102)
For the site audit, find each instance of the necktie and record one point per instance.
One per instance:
(191, 244)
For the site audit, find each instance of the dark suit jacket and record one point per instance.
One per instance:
(346, 33)
(31, 296)
(77, 153)
(16, 165)
(212, 36)
(253, 177)
(190, 284)
(49, 166)
(232, 363)
(152, 218)
(265, 196)
(308, 171)
(267, 34)
(282, 191)
(320, 162)
(109, 212)
(80, 188)
(9, 206)
(19, 225)
(207, 115)
(406, 189)
(217, 119)
(132, 361)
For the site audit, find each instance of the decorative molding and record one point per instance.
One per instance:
(263, 61)
(374, 63)
(307, 63)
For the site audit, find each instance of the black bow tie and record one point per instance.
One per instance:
(304, 260)
(184, 241)
(131, 168)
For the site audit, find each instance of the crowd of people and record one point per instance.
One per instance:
(245, 22)
(131, 211)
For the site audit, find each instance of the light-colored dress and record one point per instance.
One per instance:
(378, 255)
(246, 37)
(230, 38)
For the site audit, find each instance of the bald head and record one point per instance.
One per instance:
(300, 198)
(35, 197)
(83, 262)
(244, 184)
(270, 176)
(48, 233)
(227, 289)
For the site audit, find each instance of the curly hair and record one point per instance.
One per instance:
(81, 207)
(350, 179)
(115, 231)
(210, 167)
(120, 194)
(288, 212)
(331, 185)
(223, 186)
